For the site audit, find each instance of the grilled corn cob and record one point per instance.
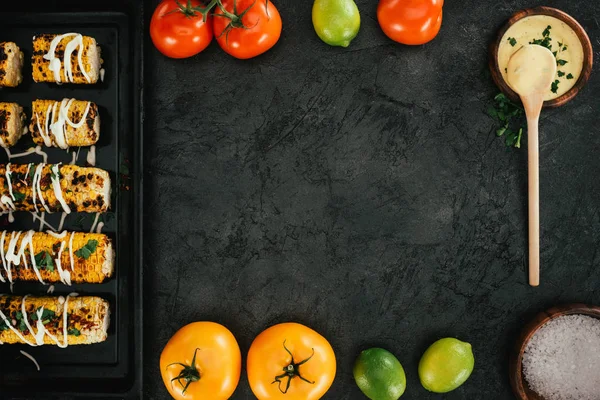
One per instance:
(12, 124)
(68, 257)
(11, 63)
(64, 123)
(53, 188)
(87, 320)
(56, 58)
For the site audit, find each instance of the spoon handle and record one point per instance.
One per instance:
(534, 199)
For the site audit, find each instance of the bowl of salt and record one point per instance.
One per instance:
(557, 356)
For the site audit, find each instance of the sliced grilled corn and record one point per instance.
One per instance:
(67, 58)
(65, 123)
(67, 257)
(87, 320)
(53, 188)
(11, 64)
(12, 124)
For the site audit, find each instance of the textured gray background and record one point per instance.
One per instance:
(362, 192)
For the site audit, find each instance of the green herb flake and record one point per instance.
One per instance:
(47, 316)
(512, 41)
(561, 62)
(86, 251)
(554, 87)
(74, 332)
(21, 321)
(509, 115)
(570, 76)
(19, 196)
(3, 325)
(44, 260)
(546, 32)
(561, 74)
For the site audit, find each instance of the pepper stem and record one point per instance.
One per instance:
(291, 371)
(189, 373)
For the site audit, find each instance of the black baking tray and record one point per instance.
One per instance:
(111, 369)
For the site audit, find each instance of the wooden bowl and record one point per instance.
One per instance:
(588, 54)
(517, 380)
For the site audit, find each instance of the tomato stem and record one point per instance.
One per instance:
(291, 371)
(189, 373)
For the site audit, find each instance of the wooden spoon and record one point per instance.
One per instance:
(531, 71)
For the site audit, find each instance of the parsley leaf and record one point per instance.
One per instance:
(43, 259)
(561, 62)
(74, 332)
(554, 87)
(509, 115)
(47, 316)
(561, 74)
(3, 325)
(570, 76)
(546, 32)
(86, 251)
(18, 196)
(512, 41)
(21, 321)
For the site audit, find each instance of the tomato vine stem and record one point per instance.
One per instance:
(291, 371)
(189, 373)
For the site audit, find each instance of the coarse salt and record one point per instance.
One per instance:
(562, 359)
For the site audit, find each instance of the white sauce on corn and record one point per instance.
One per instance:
(102, 72)
(55, 64)
(9, 182)
(99, 227)
(41, 329)
(55, 177)
(57, 130)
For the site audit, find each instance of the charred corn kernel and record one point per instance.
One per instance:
(68, 257)
(12, 124)
(53, 188)
(62, 63)
(78, 123)
(11, 64)
(87, 320)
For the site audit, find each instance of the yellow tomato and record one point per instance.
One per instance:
(201, 361)
(292, 362)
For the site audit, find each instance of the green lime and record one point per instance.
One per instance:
(446, 365)
(336, 22)
(379, 375)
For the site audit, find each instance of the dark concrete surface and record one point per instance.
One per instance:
(362, 192)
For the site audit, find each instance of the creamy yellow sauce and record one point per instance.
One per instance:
(569, 54)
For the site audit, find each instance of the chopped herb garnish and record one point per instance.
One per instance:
(546, 32)
(86, 251)
(555, 53)
(545, 42)
(47, 316)
(74, 332)
(512, 41)
(561, 74)
(31, 172)
(19, 196)
(3, 325)
(21, 321)
(570, 76)
(561, 62)
(554, 87)
(43, 259)
(510, 116)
